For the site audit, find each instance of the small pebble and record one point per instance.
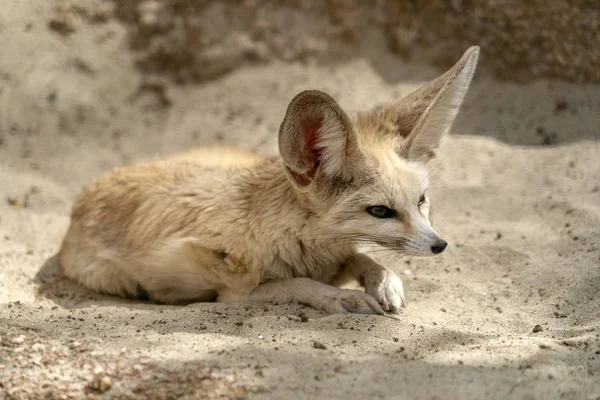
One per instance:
(37, 347)
(319, 345)
(105, 384)
(18, 340)
(98, 370)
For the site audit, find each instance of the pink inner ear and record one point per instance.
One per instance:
(312, 155)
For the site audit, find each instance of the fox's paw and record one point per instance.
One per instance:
(386, 287)
(351, 301)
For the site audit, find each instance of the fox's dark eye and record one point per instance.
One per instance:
(421, 200)
(381, 212)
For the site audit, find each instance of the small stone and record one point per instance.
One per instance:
(537, 328)
(38, 347)
(319, 345)
(303, 317)
(561, 105)
(98, 370)
(14, 203)
(103, 12)
(18, 340)
(105, 384)
(62, 24)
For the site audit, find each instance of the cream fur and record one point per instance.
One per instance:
(231, 225)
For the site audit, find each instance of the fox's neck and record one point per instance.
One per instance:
(271, 200)
(278, 215)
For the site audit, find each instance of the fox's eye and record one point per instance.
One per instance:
(421, 200)
(381, 212)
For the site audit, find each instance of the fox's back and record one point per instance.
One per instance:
(139, 204)
(219, 157)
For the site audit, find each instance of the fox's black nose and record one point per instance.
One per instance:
(439, 247)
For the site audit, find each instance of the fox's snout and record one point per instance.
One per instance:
(439, 247)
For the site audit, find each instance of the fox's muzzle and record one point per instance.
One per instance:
(439, 247)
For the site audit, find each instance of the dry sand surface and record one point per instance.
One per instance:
(510, 310)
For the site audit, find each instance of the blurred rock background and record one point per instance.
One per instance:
(197, 40)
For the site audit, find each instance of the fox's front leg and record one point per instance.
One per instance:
(380, 282)
(311, 293)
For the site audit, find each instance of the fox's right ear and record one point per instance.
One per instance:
(424, 116)
(317, 133)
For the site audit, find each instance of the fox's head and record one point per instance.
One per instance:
(366, 176)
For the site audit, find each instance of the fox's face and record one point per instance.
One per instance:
(366, 177)
(392, 209)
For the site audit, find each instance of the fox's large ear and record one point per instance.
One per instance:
(425, 116)
(317, 133)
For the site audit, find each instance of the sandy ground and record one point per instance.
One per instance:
(510, 310)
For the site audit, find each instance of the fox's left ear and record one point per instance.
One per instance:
(427, 114)
(317, 135)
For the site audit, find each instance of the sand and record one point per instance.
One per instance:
(510, 310)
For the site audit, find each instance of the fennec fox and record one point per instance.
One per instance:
(234, 227)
